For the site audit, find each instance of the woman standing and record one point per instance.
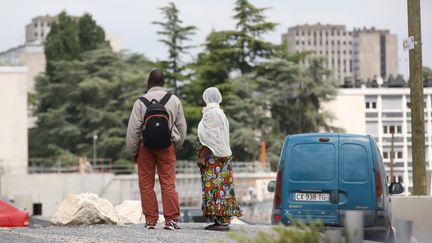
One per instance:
(219, 203)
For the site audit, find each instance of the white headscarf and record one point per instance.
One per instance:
(213, 129)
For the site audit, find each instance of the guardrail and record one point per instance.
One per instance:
(38, 166)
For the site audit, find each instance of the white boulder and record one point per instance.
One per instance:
(85, 209)
(130, 212)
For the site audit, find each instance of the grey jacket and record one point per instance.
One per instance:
(175, 111)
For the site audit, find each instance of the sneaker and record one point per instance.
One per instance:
(150, 225)
(171, 225)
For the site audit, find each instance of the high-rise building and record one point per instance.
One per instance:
(333, 42)
(375, 54)
(366, 54)
(38, 28)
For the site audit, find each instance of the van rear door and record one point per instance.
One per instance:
(310, 185)
(356, 190)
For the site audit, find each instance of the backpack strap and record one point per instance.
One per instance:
(146, 102)
(165, 99)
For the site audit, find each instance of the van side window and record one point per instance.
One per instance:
(354, 163)
(312, 162)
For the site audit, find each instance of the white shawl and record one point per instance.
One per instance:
(213, 129)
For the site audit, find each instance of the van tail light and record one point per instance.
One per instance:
(278, 189)
(379, 189)
(277, 218)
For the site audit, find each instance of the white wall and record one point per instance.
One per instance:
(416, 209)
(349, 111)
(50, 189)
(13, 121)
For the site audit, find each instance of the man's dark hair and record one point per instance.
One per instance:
(156, 78)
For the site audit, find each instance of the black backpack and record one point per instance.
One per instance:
(156, 131)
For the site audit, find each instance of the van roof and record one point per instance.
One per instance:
(328, 135)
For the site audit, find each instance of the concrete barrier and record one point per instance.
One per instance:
(417, 209)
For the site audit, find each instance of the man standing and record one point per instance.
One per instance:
(157, 127)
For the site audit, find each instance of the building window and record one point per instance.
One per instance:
(309, 32)
(399, 155)
(309, 42)
(389, 129)
(297, 42)
(385, 155)
(36, 34)
(296, 33)
(338, 42)
(332, 42)
(399, 129)
(302, 32)
(303, 42)
(370, 105)
(35, 25)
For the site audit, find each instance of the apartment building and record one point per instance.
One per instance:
(359, 54)
(381, 112)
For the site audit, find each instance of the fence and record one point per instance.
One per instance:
(102, 165)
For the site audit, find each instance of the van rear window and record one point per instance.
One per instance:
(312, 162)
(355, 164)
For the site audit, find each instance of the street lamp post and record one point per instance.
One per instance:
(95, 137)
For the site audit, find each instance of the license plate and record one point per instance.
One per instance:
(319, 197)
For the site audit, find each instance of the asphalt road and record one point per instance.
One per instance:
(190, 232)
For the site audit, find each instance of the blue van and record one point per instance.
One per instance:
(321, 176)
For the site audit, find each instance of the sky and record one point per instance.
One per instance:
(130, 20)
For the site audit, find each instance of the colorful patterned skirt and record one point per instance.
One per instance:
(219, 203)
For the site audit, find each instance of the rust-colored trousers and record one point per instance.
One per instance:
(164, 160)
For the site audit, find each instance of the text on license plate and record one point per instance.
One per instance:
(321, 197)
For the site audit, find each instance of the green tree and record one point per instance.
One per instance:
(91, 35)
(251, 25)
(70, 36)
(91, 95)
(227, 62)
(174, 34)
(62, 42)
(427, 72)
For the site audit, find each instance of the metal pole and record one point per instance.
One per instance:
(354, 226)
(392, 156)
(403, 230)
(95, 137)
(416, 93)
